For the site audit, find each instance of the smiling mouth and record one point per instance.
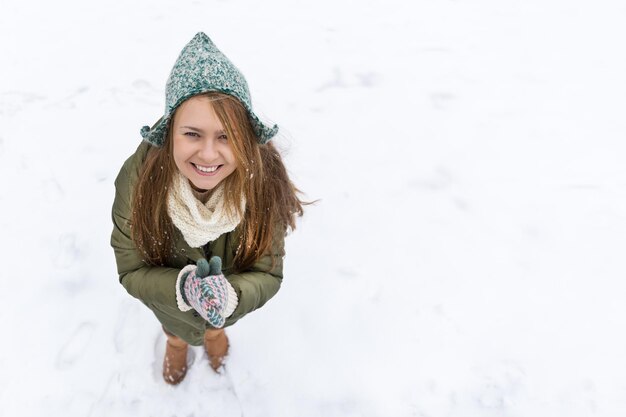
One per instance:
(206, 170)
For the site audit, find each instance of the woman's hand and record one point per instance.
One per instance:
(205, 289)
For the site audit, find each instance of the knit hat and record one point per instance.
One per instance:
(200, 68)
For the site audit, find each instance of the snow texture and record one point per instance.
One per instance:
(466, 257)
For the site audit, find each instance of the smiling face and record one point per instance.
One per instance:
(201, 149)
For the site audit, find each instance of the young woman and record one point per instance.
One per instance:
(205, 183)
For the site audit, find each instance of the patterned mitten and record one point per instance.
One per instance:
(205, 289)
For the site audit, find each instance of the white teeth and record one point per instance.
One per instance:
(206, 169)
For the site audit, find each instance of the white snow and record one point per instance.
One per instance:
(467, 254)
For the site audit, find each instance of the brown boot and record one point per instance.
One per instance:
(216, 346)
(175, 361)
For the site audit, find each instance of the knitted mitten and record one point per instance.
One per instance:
(205, 289)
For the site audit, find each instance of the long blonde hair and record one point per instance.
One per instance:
(261, 178)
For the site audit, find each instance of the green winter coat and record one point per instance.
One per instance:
(155, 285)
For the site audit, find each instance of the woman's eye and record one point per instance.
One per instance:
(193, 134)
(223, 137)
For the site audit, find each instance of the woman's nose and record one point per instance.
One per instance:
(207, 151)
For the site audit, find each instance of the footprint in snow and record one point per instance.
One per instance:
(67, 252)
(75, 346)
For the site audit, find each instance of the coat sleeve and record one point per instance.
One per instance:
(150, 284)
(256, 286)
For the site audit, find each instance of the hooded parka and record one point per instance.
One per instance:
(155, 285)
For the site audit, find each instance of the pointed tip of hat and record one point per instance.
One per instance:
(201, 40)
(201, 36)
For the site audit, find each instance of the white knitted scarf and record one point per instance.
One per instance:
(199, 223)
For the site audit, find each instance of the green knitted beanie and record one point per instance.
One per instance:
(200, 68)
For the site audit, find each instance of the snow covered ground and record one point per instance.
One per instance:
(467, 254)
